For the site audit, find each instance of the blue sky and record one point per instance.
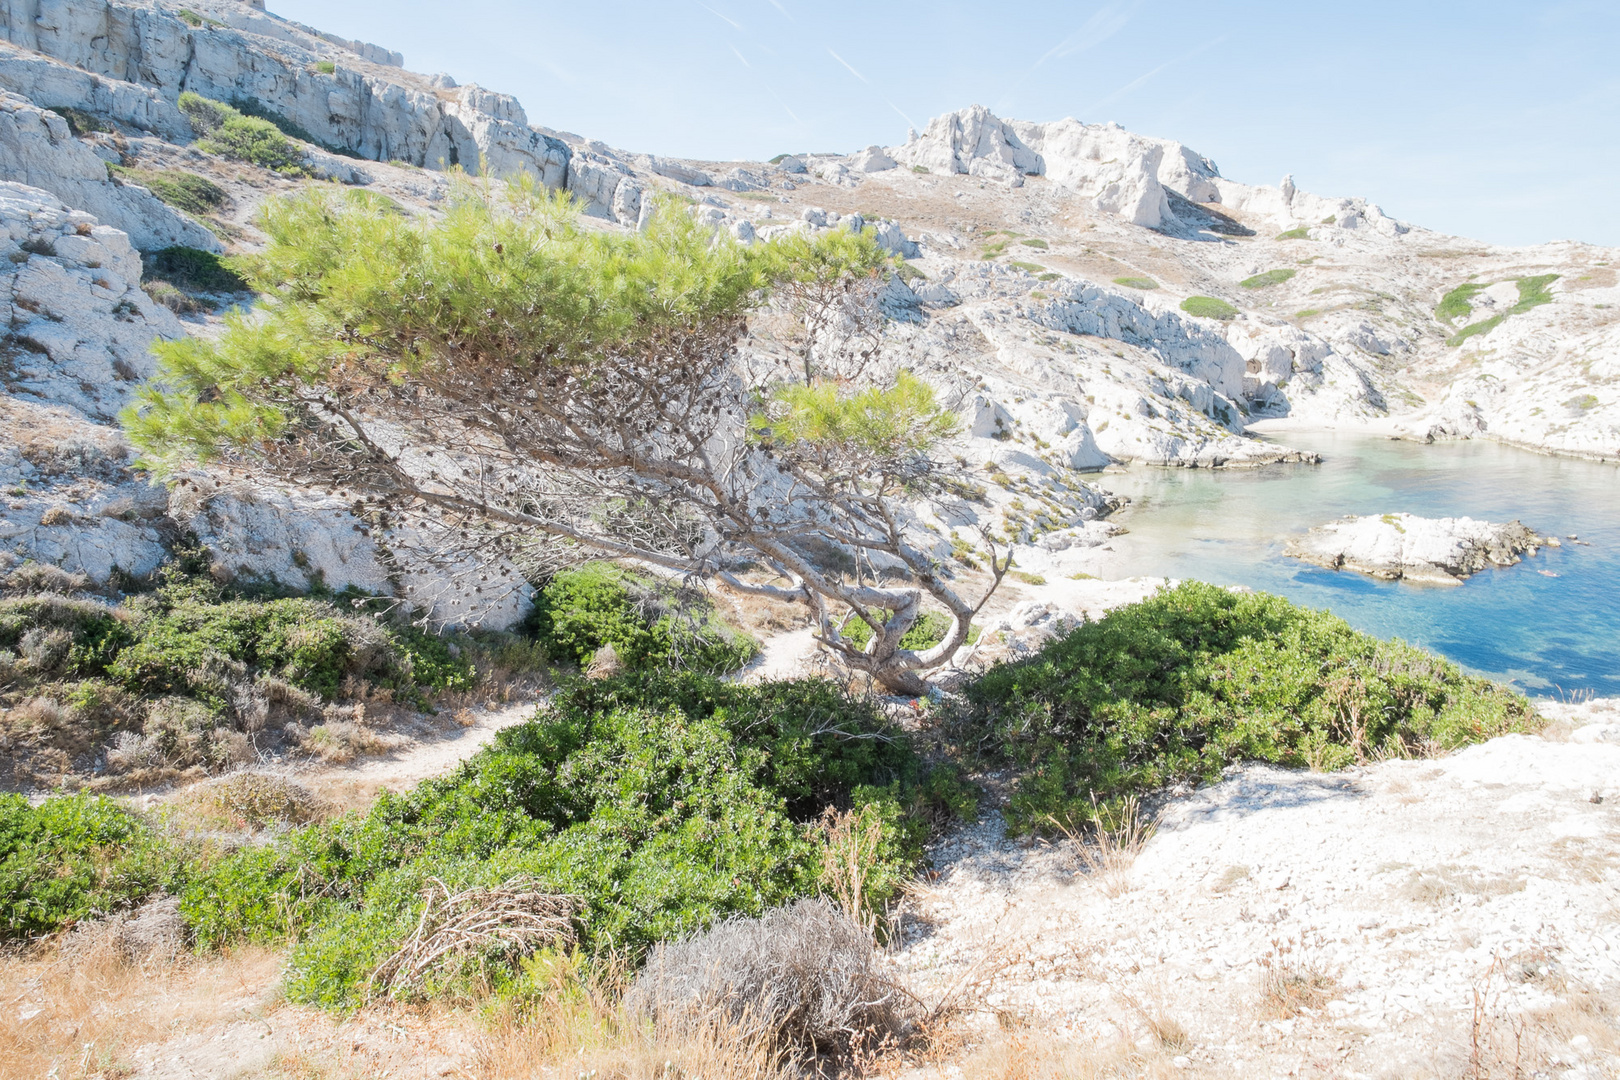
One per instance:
(1494, 120)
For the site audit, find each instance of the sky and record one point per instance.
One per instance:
(1498, 121)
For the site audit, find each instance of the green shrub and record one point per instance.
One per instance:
(1270, 277)
(225, 131)
(71, 858)
(252, 106)
(1034, 242)
(1136, 282)
(648, 623)
(191, 269)
(1208, 307)
(182, 190)
(180, 667)
(325, 67)
(79, 122)
(929, 630)
(1180, 685)
(664, 802)
(1301, 233)
(1028, 267)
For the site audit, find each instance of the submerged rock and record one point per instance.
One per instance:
(1439, 551)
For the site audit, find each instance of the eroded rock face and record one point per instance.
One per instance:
(79, 341)
(1437, 551)
(365, 103)
(38, 149)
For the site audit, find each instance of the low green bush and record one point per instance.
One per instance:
(174, 677)
(1136, 282)
(1303, 232)
(252, 106)
(663, 802)
(1533, 292)
(648, 623)
(74, 857)
(929, 630)
(1458, 302)
(191, 269)
(1197, 677)
(79, 122)
(1270, 277)
(1208, 307)
(180, 189)
(226, 131)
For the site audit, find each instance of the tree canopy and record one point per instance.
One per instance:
(519, 381)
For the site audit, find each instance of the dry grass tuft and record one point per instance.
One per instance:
(1030, 1053)
(1108, 845)
(1291, 984)
(339, 741)
(255, 800)
(849, 849)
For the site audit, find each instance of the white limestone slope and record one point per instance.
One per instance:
(1397, 891)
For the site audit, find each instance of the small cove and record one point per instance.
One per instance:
(1548, 635)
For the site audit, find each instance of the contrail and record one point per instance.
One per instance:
(846, 63)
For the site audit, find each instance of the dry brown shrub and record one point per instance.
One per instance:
(479, 925)
(340, 741)
(802, 979)
(34, 577)
(251, 799)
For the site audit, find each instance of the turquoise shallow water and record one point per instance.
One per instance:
(1548, 635)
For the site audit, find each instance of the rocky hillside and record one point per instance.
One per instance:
(1090, 296)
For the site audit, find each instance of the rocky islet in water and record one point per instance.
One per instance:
(1429, 551)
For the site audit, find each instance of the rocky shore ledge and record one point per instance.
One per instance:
(1434, 551)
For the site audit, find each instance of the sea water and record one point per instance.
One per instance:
(1549, 625)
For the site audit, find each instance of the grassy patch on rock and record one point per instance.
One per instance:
(180, 189)
(1533, 292)
(1209, 307)
(1270, 277)
(191, 269)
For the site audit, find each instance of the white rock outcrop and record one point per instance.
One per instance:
(38, 149)
(365, 103)
(1437, 551)
(79, 340)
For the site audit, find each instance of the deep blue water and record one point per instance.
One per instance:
(1548, 635)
